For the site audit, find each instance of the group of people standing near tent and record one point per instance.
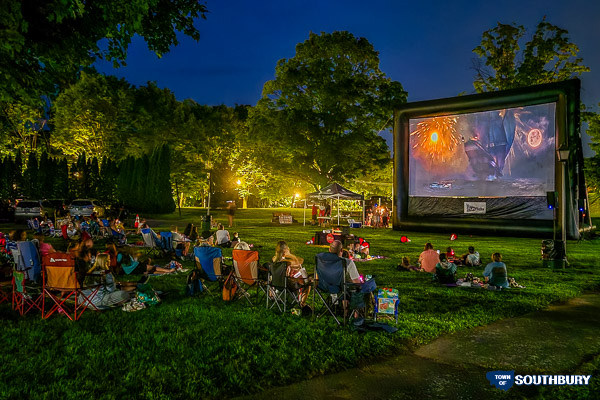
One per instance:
(378, 217)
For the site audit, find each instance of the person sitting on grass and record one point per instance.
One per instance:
(445, 270)
(429, 258)
(223, 238)
(472, 258)
(108, 295)
(405, 265)
(495, 272)
(115, 258)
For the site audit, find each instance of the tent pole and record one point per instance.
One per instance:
(338, 210)
(363, 199)
(304, 224)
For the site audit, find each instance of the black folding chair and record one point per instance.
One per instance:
(282, 293)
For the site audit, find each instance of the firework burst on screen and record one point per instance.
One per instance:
(435, 139)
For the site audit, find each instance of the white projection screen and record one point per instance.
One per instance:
(506, 152)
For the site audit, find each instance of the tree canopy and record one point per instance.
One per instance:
(44, 44)
(319, 118)
(549, 56)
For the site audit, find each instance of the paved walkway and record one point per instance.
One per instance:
(555, 340)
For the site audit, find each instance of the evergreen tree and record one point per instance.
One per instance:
(5, 178)
(46, 176)
(93, 178)
(31, 189)
(124, 180)
(61, 180)
(166, 204)
(83, 177)
(17, 177)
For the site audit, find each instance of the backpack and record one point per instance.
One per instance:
(193, 284)
(229, 288)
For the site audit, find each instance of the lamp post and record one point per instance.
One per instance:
(563, 158)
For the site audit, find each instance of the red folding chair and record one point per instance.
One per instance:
(4, 291)
(25, 295)
(62, 288)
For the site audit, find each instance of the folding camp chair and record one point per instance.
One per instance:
(4, 292)
(246, 274)
(282, 293)
(151, 242)
(104, 227)
(28, 260)
(26, 295)
(386, 303)
(27, 270)
(62, 288)
(166, 243)
(329, 284)
(34, 225)
(354, 224)
(209, 261)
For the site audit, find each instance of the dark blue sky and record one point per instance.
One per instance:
(427, 45)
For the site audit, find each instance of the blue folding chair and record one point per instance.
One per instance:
(166, 243)
(28, 261)
(209, 261)
(329, 284)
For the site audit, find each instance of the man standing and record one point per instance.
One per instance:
(231, 207)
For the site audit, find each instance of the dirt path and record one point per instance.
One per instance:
(552, 341)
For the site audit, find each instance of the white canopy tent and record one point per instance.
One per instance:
(335, 191)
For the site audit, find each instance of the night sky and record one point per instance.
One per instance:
(427, 45)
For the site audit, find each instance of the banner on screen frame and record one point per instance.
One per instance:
(475, 207)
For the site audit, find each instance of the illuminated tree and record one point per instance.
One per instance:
(94, 117)
(319, 119)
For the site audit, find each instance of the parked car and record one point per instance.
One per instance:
(85, 208)
(27, 209)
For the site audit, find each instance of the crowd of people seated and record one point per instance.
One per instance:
(103, 266)
(444, 265)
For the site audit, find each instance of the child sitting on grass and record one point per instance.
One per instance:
(405, 265)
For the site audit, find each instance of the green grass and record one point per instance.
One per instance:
(203, 347)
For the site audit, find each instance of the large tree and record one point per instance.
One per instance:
(45, 43)
(319, 119)
(549, 56)
(94, 116)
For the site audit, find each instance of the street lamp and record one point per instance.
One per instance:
(563, 158)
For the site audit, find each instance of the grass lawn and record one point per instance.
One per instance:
(204, 348)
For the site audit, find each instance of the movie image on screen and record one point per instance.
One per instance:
(498, 153)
